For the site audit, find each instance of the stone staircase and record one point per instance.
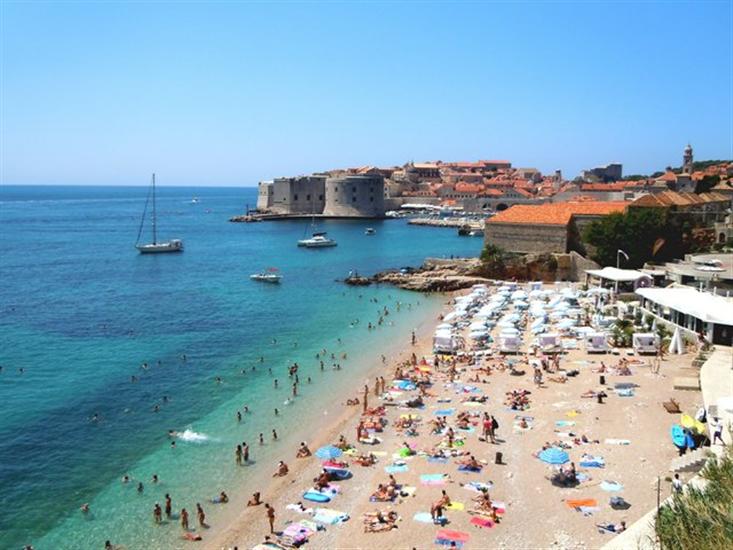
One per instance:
(690, 462)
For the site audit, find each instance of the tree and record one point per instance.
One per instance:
(643, 233)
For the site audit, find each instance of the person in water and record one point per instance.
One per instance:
(157, 514)
(168, 506)
(184, 519)
(200, 515)
(255, 500)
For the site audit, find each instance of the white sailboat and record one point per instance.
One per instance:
(318, 239)
(174, 245)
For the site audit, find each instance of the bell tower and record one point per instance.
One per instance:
(687, 160)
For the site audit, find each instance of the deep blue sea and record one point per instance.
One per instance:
(81, 311)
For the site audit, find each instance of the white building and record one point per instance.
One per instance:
(692, 310)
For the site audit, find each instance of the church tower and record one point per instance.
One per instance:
(687, 160)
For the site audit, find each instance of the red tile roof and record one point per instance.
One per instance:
(558, 213)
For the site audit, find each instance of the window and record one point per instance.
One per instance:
(353, 189)
(336, 189)
(353, 199)
(320, 197)
(295, 197)
(371, 199)
(307, 197)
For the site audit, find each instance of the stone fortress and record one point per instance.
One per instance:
(338, 195)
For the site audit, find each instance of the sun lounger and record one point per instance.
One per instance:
(672, 406)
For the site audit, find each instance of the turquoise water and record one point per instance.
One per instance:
(81, 311)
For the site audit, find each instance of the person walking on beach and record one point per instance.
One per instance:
(201, 515)
(376, 387)
(184, 519)
(168, 506)
(492, 430)
(270, 511)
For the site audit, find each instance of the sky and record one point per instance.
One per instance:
(231, 93)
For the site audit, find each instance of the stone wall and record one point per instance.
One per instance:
(527, 238)
(264, 195)
(355, 196)
(299, 195)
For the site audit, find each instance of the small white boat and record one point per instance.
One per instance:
(267, 276)
(318, 240)
(369, 231)
(195, 200)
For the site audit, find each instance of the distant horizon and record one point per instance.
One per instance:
(223, 93)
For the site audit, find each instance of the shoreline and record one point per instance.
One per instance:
(231, 534)
(521, 481)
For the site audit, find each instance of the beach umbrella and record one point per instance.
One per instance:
(554, 455)
(329, 452)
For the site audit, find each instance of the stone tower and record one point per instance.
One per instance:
(687, 160)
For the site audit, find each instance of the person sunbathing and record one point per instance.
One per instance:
(378, 521)
(303, 451)
(352, 402)
(282, 470)
(611, 528)
(322, 481)
(366, 460)
(383, 493)
(470, 463)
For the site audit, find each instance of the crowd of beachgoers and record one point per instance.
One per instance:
(448, 445)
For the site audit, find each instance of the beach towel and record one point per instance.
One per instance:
(578, 502)
(479, 521)
(564, 423)
(444, 412)
(625, 392)
(467, 469)
(477, 486)
(611, 486)
(455, 506)
(330, 517)
(588, 510)
(437, 460)
(448, 536)
(618, 441)
(407, 491)
(572, 414)
(432, 479)
(396, 468)
(296, 508)
(499, 506)
(425, 517)
(469, 430)
(473, 404)
(379, 453)
(589, 461)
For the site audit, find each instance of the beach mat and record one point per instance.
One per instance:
(432, 479)
(444, 412)
(456, 506)
(479, 521)
(330, 517)
(611, 486)
(579, 502)
(400, 468)
(423, 517)
(448, 536)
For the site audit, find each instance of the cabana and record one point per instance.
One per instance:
(445, 341)
(509, 344)
(596, 342)
(550, 343)
(645, 342)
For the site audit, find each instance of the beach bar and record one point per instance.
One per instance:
(691, 310)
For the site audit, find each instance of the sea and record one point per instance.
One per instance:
(104, 350)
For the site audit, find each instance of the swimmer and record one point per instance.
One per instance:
(223, 498)
(276, 412)
(155, 478)
(239, 416)
(168, 505)
(84, 508)
(262, 439)
(157, 514)
(125, 479)
(246, 409)
(274, 435)
(140, 487)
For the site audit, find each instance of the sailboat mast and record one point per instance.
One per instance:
(155, 232)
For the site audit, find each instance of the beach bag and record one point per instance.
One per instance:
(494, 424)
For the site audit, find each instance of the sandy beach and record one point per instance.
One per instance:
(532, 512)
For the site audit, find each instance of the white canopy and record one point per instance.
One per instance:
(705, 306)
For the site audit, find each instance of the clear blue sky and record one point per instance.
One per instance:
(234, 92)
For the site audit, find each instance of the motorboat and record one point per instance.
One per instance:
(267, 276)
(318, 240)
(370, 231)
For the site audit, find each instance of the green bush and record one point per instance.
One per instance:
(701, 519)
